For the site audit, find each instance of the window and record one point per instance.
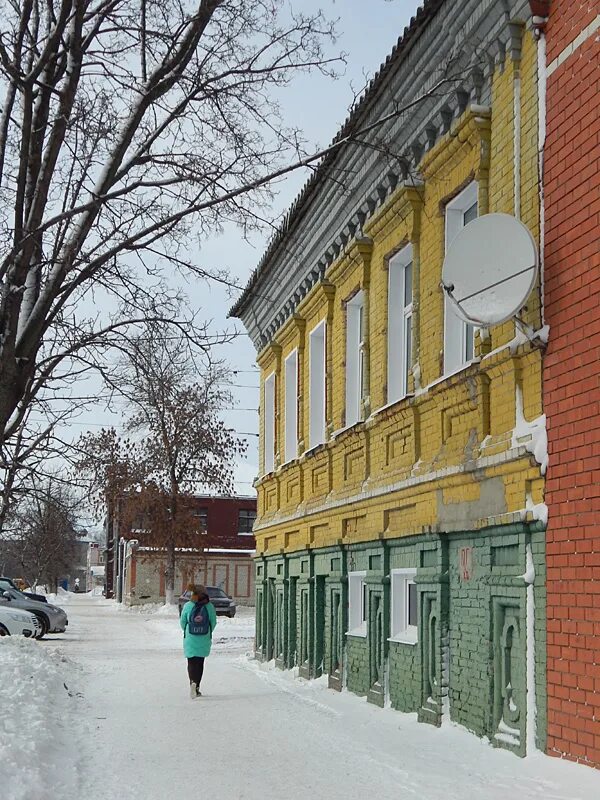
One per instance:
(399, 324)
(246, 519)
(140, 522)
(404, 627)
(317, 384)
(201, 518)
(357, 604)
(354, 357)
(458, 335)
(291, 406)
(269, 423)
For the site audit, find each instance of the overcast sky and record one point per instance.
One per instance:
(368, 29)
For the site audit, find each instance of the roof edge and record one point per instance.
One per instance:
(418, 22)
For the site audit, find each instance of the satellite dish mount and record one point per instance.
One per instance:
(490, 270)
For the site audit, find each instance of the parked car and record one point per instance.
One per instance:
(14, 622)
(224, 605)
(8, 583)
(52, 618)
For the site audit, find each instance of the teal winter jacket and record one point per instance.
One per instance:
(194, 646)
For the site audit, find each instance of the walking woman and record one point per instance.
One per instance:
(198, 620)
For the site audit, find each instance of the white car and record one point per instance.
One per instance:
(14, 622)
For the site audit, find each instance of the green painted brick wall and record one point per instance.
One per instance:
(404, 676)
(404, 659)
(471, 606)
(357, 665)
(469, 637)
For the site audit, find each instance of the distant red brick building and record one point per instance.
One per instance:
(572, 375)
(222, 556)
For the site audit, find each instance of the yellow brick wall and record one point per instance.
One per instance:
(441, 458)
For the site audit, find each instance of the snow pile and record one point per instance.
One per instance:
(38, 752)
(59, 599)
(154, 609)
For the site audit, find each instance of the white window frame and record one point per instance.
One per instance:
(400, 629)
(355, 346)
(459, 336)
(291, 406)
(399, 344)
(317, 381)
(269, 423)
(357, 607)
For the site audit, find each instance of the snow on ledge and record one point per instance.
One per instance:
(530, 434)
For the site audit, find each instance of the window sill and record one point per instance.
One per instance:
(347, 429)
(403, 640)
(391, 404)
(245, 533)
(456, 371)
(360, 633)
(314, 448)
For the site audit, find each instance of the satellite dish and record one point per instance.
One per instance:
(490, 269)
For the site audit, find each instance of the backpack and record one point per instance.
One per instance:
(199, 621)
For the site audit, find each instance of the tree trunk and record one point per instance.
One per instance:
(170, 573)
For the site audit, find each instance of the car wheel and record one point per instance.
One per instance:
(231, 614)
(44, 625)
(4, 631)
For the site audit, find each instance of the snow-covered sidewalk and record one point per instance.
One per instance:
(39, 703)
(258, 732)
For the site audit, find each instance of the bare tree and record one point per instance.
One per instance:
(44, 536)
(175, 444)
(128, 130)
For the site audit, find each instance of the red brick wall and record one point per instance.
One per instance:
(567, 19)
(223, 516)
(222, 522)
(572, 384)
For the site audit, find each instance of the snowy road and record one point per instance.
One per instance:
(258, 733)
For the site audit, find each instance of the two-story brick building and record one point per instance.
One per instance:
(401, 520)
(218, 552)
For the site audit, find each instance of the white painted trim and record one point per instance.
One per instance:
(290, 405)
(455, 329)
(585, 34)
(269, 401)
(362, 631)
(531, 727)
(517, 145)
(355, 309)
(400, 629)
(354, 612)
(317, 383)
(398, 311)
(542, 76)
